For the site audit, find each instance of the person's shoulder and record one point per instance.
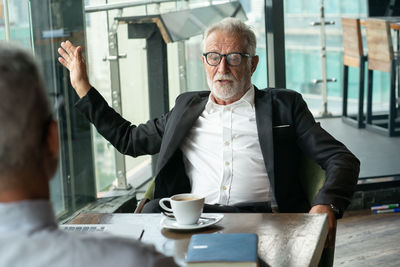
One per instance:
(280, 95)
(188, 96)
(280, 92)
(128, 251)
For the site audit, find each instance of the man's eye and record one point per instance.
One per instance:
(214, 57)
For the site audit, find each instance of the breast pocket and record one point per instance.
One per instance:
(283, 134)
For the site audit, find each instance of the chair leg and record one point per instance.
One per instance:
(345, 89)
(327, 257)
(360, 117)
(392, 100)
(369, 97)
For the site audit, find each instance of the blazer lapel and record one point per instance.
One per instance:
(263, 105)
(180, 127)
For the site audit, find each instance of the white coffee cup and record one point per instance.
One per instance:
(187, 208)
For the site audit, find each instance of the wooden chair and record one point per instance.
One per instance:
(381, 58)
(353, 56)
(148, 195)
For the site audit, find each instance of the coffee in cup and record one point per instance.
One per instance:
(186, 208)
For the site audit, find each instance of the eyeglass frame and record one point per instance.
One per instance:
(242, 55)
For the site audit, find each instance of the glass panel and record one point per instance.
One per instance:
(99, 76)
(19, 22)
(135, 94)
(255, 13)
(303, 52)
(52, 22)
(20, 32)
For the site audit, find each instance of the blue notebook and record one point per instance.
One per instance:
(236, 249)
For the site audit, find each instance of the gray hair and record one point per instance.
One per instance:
(236, 27)
(24, 109)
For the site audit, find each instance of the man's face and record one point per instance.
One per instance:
(228, 83)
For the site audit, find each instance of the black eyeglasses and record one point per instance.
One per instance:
(233, 59)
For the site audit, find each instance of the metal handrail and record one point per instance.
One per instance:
(107, 7)
(6, 20)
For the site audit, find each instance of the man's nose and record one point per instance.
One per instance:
(223, 65)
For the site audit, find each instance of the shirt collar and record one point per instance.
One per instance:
(247, 98)
(27, 214)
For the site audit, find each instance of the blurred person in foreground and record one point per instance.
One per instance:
(29, 150)
(238, 146)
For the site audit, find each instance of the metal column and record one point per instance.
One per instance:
(157, 68)
(324, 80)
(113, 58)
(275, 43)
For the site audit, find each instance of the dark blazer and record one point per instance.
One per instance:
(286, 130)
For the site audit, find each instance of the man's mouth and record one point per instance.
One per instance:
(223, 81)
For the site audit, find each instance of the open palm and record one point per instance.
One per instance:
(72, 59)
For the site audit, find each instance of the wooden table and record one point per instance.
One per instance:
(295, 239)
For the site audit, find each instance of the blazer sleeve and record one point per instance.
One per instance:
(341, 166)
(126, 138)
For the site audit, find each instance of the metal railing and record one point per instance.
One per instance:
(107, 7)
(6, 20)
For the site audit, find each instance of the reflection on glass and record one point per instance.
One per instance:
(303, 56)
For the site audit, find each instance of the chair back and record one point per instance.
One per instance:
(312, 177)
(380, 47)
(148, 195)
(352, 42)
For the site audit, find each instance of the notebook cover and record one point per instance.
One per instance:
(235, 247)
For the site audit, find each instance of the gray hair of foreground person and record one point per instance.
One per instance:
(236, 27)
(24, 110)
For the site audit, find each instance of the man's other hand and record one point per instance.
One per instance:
(330, 241)
(72, 59)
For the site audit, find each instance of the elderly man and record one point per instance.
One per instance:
(237, 145)
(29, 235)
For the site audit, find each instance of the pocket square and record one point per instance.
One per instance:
(281, 126)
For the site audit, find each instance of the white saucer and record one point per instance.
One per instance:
(207, 219)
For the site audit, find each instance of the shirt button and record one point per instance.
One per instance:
(228, 108)
(227, 163)
(223, 187)
(227, 143)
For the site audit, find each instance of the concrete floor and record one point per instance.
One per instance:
(379, 155)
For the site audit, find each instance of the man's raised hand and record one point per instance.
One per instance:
(72, 59)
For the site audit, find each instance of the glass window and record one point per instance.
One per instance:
(185, 73)
(303, 54)
(88, 163)
(50, 23)
(20, 31)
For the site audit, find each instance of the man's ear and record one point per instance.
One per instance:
(53, 142)
(254, 63)
(52, 150)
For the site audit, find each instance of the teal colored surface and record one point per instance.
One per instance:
(236, 247)
(20, 35)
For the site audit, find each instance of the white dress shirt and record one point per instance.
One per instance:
(29, 236)
(222, 154)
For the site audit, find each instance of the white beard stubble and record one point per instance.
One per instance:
(228, 91)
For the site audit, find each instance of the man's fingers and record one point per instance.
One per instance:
(63, 62)
(64, 54)
(68, 47)
(78, 53)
